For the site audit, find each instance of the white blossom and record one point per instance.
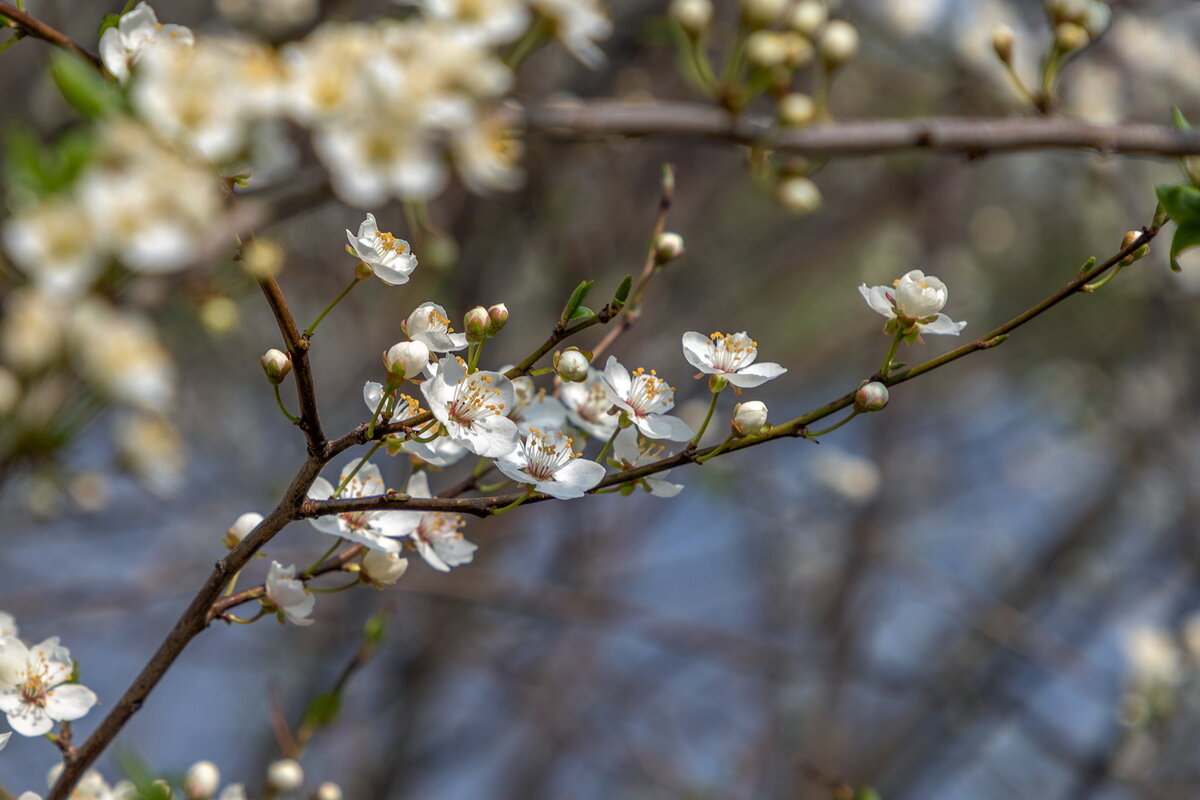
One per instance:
(34, 688)
(391, 259)
(119, 352)
(55, 245)
(473, 408)
(577, 24)
(534, 408)
(383, 569)
(289, 595)
(916, 298)
(630, 454)
(152, 449)
(406, 359)
(437, 535)
(201, 781)
(588, 404)
(243, 525)
(486, 21)
(429, 324)
(730, 355)
(548, 461)
(374, 529)
(136, 33)
(646, 398)
(8, 625)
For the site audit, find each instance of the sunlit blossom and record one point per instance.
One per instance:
(630, 453)
(374, 529)
(429, 324)
(473, 408)
(646, 398)
(135, 34)
(914, 300)
(437, 535)
(547, 459)
(34, 686)
(588, 404)
(730, 355)
(288, 595)
(391, 259)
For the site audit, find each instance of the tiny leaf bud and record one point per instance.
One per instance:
(1003, 38)
(798, 195)
(807, 17)
(363, 270)
(749, 418)
(276, 364)
(202, 780)
(797, 109)
(668, 246)
(758, 13)
(406, 359)
(571, 365)
(871, 396)
(839, 43)
(476, 324)
(285, 775)
(1069, 37)
(497, 317)
(693, 16)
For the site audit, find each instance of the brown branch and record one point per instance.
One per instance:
(297, 345)
(964, 135)
(35, 28)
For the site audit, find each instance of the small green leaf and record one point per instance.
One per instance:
(1178, 120)
(582, 312)
(87, 92)
(323, 709)
(576, 300)
(1181, 201)
(1187, 236)
(621, 296)
(375, 628)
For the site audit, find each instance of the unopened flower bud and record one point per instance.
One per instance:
(871, 396)
(406, 359)
(233, 537)
(571, 365)
(1136, 255)
(798, 195)
(798, 51)
(285, 775)
(839, 43)
(693, 16)
(276, 364)
(161, 788)
(766, 49)
(328, 791)
(1097, 18)
(383, 568)
(497, 317)
(749, 418)
(797, 109)
(202, 779)
(807, 17)
(476, 323)
(668, 246)
(1069, 37)
(1003, 38)
(1067, 10)
(758, 13)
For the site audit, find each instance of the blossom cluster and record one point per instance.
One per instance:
(37, 684)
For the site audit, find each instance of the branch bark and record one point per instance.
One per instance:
(36, 29)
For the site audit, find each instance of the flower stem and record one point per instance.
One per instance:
(473, 354)
(891, 353)
(512, 505)
(607, 445)
(720, 449)
(335, 589)
(1094, 285)
(292, 419)
(324, 556)
(312, 328)
(354, 471)
(830, 429)
(262, 612)
(712, 406)
(378, 410)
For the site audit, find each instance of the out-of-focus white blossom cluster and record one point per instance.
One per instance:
(1163, 671)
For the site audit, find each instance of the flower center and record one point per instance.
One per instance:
(437, 525)
(648, 391)
(474, 399)
(546, 454)
(34, 690)
(731, 352)
(387, 243)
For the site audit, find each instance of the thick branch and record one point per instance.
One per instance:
(37, 29)
(971, 136)
(297, 345)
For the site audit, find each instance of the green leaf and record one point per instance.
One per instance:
(582, 312)
(84, 88)
(1181, 201)
(323, 709)
(621, 296)
(109, 21)
(1187, 236)
(34, 170)
(576, 300)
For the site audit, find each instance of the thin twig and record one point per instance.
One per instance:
(37, 29)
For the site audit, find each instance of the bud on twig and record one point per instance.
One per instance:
(202, 779)
(1069, 37)
(276, 364)
(1136, 255)
(328, 791)
(285, 775)
(571, 365)
(798, 195)
(476, 324)
(759, 13)
(1003, 38)
(766, 49)
(871, 396)
(797, 109)
(839, 43)
(406, 359)
(233, 537)
(749, 418)
(497, 317)
(807, 17)
(668, 246)
(693, 16)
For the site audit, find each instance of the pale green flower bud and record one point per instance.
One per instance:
(571, 365)
(798, 51)
(798, 195)
(749, 418)
(497, 318)
(202, 780)
(276, 364)
(839, 43)
(872, 396)
(797, 109)
(1003, 38)
(693, 16)
(285, 775)
(476, 324)
(1136, 255)
(668, 246)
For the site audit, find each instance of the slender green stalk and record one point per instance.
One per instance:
(712, 406)
(335, 589)
(311, 329)
(16, 37)
(324, 557)
(262, 612)
(891, 353)
(718, 450)
(278, 399)
(607, 445)
(378, 410)
(524, 47)
(346, 480)
(512, 505)
(815, 434)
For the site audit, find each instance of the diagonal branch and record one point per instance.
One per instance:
(35, 28)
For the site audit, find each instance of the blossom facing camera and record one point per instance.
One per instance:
(871, 396)
(136, 32)
(474, 408)
(646, 398)
(290, 596)
(374, 529)
(406, 359)
(391, 259)
(276, 364)
(749, 418)
(35, 691)
(913, 305)
(548, 461)
(729, 355)
(571, 365)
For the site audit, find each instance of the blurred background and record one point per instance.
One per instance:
(985, 591)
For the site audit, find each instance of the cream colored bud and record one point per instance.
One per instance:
(406, 359)
(766, 49)
(839, 43)
(285, 775)
(1069, 37)
(807, 17)
(1003, 38)
(240, 530)
(476, 323)
(262, 257)
(749, 418)
(571, 365)
(383, 568)
(872, 396)
(276, 364)
(797, 109)
(328, 791)
(798, 195)
(668, 246)
(202, 779)
(693, 16)
(1067, 10)
(1097, 18)
(762, 12)
(497, 318)
(798, 50)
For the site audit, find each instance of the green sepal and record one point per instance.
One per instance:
(109, 21)
(374, 629)
(84, 88)
(576, 300)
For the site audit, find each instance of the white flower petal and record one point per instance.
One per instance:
(756, 374)
(69, 701)
(877, 298)
(943, 325)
